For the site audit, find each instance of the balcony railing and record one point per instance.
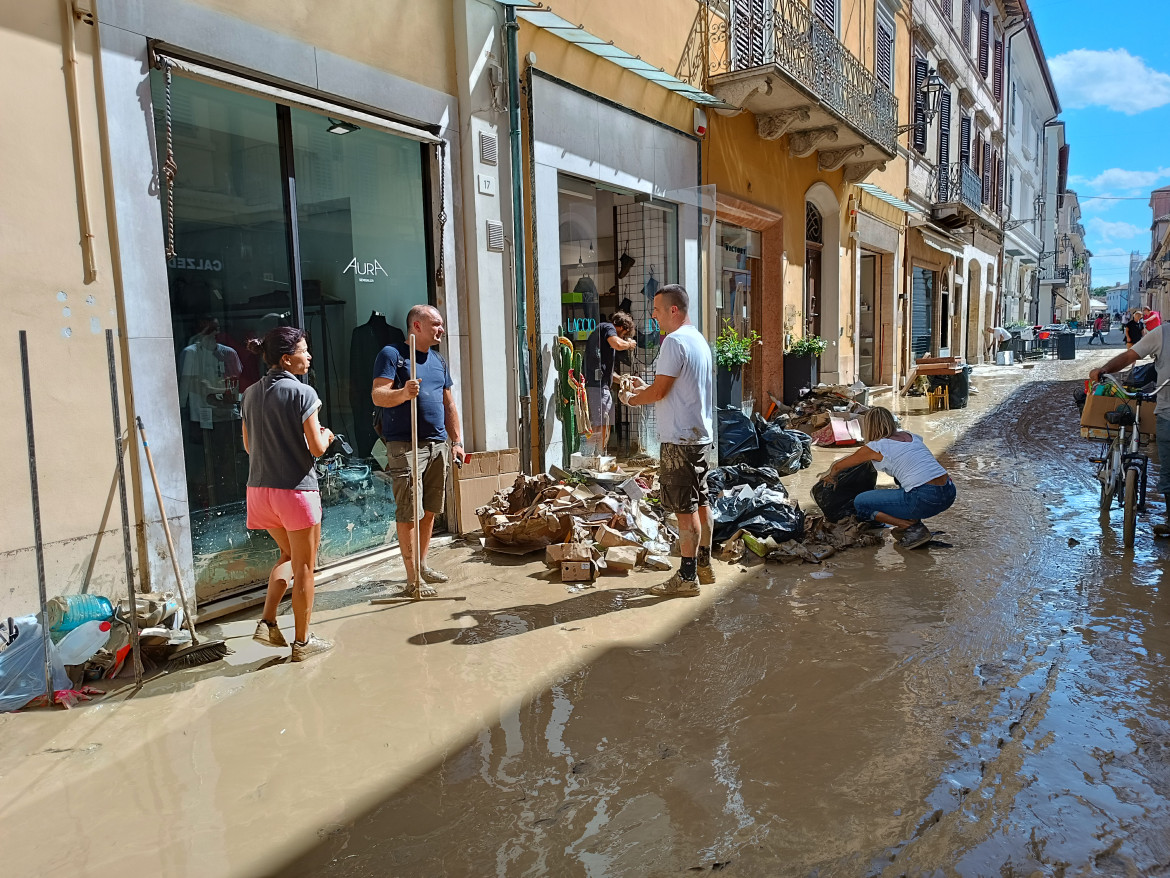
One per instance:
(806, 50)
(1058, 273)
(958, 183)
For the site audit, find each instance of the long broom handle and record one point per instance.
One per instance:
(414, 497)
(167, 530)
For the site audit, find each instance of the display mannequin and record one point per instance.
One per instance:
(365, 343)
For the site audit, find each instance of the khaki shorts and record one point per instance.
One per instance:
(684, 477)
(432, 464)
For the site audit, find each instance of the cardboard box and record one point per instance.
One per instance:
(483, 474)
(577, 571)
(557, 553)
(621, 558)
(1094, 425)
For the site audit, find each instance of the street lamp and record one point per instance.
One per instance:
(930, 90)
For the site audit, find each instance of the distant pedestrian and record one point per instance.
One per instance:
(997, 336)
(617, 334)
(438, 422)
(282, 437)
(1151, 319)
(1099, 329)
(1134, 328)
(924, 487)
(682, 394)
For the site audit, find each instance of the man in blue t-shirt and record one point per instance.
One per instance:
(438, 422)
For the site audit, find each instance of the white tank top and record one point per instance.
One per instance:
(911, 463)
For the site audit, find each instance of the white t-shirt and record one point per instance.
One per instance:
(911, 463)
(1001, 334)
(1153, 344)
(684, 414)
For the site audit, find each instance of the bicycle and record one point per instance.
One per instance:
(1122, 468)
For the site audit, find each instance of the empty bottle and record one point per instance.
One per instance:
(78, 646)
(82, 608)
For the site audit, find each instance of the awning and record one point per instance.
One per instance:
(879, 192)
(1097, 303)
(215, 76)
(940, 243)
(544, 18)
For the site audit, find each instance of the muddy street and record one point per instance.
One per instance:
(996, 704)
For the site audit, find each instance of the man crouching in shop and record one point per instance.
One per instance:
(682, 396)
(438, 421)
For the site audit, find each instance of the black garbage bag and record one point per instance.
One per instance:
(738, 442)
(789, 451)
(763, 512)
(725, 477)
(1140, 376)
(836, 500)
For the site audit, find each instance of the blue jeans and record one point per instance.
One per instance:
(1162, 433)
(923, 502)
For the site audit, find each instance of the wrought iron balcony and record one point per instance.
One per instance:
(823, 94)
(1054, 275)
(957, 195)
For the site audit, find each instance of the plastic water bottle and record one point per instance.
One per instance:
(82, 608)
(78, 646)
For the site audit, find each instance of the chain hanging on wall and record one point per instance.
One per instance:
(170, 167)
(440, 270)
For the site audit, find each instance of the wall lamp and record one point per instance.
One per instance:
(336, 126)
(930, 90)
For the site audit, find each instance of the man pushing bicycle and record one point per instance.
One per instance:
(1156, 344)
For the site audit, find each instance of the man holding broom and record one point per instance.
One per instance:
(438, 425)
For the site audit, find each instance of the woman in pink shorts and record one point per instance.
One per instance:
(282, 438)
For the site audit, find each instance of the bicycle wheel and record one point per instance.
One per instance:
(1129, 526)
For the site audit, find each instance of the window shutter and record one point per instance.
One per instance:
(965, 140)
(826, 11)
(749, 32)
(1011, 193)
(999, 169)
(997, 76)
(986, 172)
(984, 40)
(944, 145)
(883, 63)
(966, 28)
(919, 109)
(949, 10)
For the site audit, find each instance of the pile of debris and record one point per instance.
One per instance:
(829, 415)
(586, 522)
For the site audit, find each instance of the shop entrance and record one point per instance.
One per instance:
(922, 313)
(813, 245)
(739, 251)
(869, 320)
(344, 261)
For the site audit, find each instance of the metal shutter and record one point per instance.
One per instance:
(987, 172)
(997, 76)
(984, 40)
(967, 25)
(919, 109)
(998, 183)
(749, 24)
(883, 62)
(965, 140)
(944, 145)
(922, 313)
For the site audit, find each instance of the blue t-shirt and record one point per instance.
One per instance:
(394, 363)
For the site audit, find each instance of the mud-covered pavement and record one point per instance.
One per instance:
(997, 704)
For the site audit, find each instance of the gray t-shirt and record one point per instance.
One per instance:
(275, 409)
(684, 414)
(1153, 344)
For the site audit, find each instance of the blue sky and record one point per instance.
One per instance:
(1111, 65)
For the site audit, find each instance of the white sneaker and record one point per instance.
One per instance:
(311, 647)
(269, 635)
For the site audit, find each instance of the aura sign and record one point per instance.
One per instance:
(365, 271)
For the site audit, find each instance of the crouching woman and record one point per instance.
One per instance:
(924, 488)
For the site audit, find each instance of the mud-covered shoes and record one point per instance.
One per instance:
(916, 535)
(309, 648)
(269, 634)
(706, 574)
(430, 574)
(676, 586)
(419, 590)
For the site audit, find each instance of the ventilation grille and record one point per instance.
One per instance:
(488, 148)
(495, 235)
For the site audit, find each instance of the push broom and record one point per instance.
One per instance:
(195, 653)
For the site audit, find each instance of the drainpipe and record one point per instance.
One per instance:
(69, 43)
(511, 29)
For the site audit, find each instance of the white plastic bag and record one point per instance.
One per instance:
(22, 667)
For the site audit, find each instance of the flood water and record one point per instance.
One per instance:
(998, 706)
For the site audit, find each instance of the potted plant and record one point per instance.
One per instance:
(800, 366)
(732, 352)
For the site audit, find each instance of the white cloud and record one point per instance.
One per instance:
(1110, 231)
(1119, 178)
(1112, 78)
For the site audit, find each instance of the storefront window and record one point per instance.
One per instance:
(360, 223)
(739, 251)
(617, 248)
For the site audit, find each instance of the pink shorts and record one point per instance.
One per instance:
(279, 509)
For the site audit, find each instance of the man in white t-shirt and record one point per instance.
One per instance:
(682, 395)
(998, 335)
(1156, 344)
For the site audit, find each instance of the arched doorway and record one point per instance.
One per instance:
(822, 275)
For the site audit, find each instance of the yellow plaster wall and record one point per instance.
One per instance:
(409, 38)
(45, 293)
